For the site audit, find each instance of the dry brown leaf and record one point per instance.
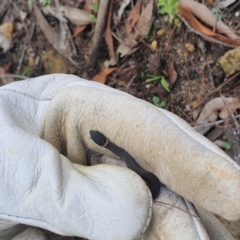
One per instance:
(77, 16)
(202, 12)
(172, 75)
(78, 30)
(108, 36)
(224, 3)
(123, 5)
(144, 20)
(102, 76)
(86, 7)
(133, 17)
(50, 34)
(216, 108)
(142, 25)
(205, 32)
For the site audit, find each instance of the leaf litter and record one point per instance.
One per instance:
(122, 43)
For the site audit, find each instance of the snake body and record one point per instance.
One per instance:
(152, 181)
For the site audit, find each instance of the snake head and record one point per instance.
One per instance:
(98, 138)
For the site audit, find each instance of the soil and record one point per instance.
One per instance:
(196, 64)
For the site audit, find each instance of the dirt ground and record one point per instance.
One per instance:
(182, 57)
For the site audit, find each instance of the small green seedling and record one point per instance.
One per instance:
(216, 14)
(94, 6)
(163, 81)
(169, 7)
(27, 71)
(44, 3)
(227, 146)
(157, 102)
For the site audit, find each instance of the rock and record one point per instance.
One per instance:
(53, 62)
(230, 62)
(190, 47)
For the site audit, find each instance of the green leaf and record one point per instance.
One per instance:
(175, 4)
(227, 145)
(167, 9)
(93, 17)
(162, 3)
(94, 6)
(165, 84)
(162, 104)
(152, 78)
(157, 102)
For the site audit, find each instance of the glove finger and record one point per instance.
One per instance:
(214, 227)
(162, 143)
(40, 187)
(173, 217)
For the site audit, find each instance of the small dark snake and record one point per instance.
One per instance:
(152, 181)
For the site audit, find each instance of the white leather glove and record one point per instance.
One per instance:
(45, 124)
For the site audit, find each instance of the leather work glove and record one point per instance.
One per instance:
(45, 141)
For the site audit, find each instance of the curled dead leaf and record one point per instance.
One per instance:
(189, 9)
(213, 109)
(133, 17)
(102, 76)
(172, 75)
(77, 16)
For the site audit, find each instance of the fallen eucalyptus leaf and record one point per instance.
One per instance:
(123, 5)
(214, 109)
(6, 31)
(102, 76)
(77, 16)
(224, 3)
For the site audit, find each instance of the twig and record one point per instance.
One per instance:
(230, 112)
(130, 82)
(5, 75)
(21, 59)
(216, 90)
(213, 123)
(164, 203)
(99, 28)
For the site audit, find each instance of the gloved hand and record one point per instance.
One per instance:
(45, 124)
